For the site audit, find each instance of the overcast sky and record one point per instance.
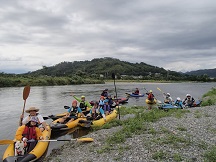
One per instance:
(173, 34)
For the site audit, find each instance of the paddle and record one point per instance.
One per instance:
(76, 139)
(6, 142)
(113, 76)
(26, 92)
(66, 107)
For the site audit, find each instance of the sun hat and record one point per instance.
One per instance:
(32, 109)
(34, 119)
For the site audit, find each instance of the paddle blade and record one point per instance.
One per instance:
(6, 142)
(159, 89)
(85, 139)
(26, 92)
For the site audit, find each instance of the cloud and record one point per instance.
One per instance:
(176, 35)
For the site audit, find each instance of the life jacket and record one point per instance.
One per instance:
(74, 111)
(29, 133)
(150, 96)
(83, 106)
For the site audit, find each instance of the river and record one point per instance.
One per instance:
(51, 99)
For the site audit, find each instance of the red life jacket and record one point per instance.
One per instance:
(150, 96)
(30, 133)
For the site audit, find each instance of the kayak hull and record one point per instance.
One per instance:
(151, 102)
(38, 152)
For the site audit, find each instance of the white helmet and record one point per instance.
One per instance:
(178, 98)
(188, 95)
(168, 94)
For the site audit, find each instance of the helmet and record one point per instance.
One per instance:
(82, 96)
(150, 91)
(168, 94)
(74, 102)
(178, 98)
(188, 95)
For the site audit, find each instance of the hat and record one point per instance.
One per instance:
(150, 90)
(178, 98)
(32, 109)
(82, 96)
(34, 119)
(106, 101)
(188, 95)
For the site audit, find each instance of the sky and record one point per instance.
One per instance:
(172, 34)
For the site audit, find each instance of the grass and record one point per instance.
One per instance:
(209, 98)
(197, 114)
(210, 155)
(159, 155)
(181, 128)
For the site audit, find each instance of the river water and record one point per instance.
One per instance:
(52, 99)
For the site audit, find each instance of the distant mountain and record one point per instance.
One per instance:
(210, 72)
(106, 66)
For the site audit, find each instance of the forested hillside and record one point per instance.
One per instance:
(209, 72)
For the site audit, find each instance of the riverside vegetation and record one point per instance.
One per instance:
(155, 135)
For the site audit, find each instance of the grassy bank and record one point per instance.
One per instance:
(209, 98)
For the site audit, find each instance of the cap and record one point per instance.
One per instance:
(34, 119)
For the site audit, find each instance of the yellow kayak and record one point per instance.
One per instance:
(101, 121)
(151, 102)
(37, 153)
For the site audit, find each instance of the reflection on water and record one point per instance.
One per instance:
(51, 99)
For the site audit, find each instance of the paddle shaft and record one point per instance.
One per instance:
(113, 76)
(26, 92)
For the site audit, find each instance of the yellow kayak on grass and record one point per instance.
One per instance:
(37, 153)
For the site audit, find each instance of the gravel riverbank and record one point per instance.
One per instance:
(187, 138)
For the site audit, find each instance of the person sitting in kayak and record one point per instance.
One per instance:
(29, 131)
(96, 112)
(106, 107)
(105, 93)
(101, 101)
(167, 98)
(72, 113)
(110, 100)
(150, 96)
(189, 100)
(136, 92)
(83, 103)
(33, 111)
(179, 103)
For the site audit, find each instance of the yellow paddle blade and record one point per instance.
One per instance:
(159, 89)
(85, 139)
(6, 142)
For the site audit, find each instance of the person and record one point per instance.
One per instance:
(136, 91)
(188, 101)
(96, 112)
(83, 103)
(167, 98)
(29, 131)
(101, 101)
(105, 93)
(33, 111)
(106, 107)
(179, 103)
(110, 100)
(72, 113)
(150, 95)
